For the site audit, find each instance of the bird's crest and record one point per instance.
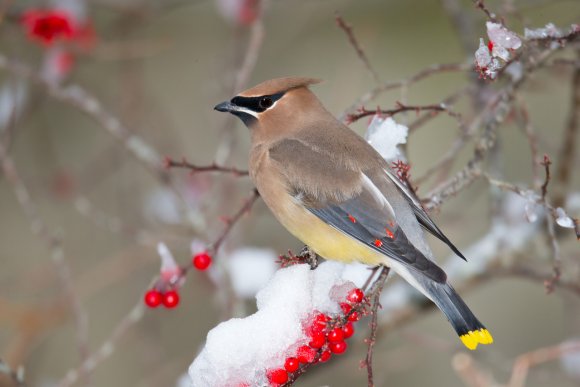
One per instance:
(278, 85)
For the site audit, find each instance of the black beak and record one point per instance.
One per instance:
(225, 106)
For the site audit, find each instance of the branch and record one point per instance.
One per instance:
(375, 293)
(362, 112)
(76, 96)
(343, 25)
(170, 163)
(568, 148)
(54, 243)
(385, 86)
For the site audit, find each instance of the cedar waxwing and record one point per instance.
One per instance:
(335, 193)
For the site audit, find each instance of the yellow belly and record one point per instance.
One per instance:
(325, 240)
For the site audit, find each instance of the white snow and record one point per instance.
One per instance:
(240, 350)
(384, 134)
(250, 269)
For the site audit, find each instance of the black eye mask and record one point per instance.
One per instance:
(257, 104)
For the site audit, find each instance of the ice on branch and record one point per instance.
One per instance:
(550, 31)
(385, 135)
(563, 219)
(502, 37)
(170, 270)
(250, 269)
(239, 352)
(493, 56)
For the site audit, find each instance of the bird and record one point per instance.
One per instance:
(332, 190)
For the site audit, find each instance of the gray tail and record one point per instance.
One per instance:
(469, 329)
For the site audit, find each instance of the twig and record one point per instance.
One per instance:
(362, 112)
(385, 86)
(84, 101)
(375, 293)
(481, 5)
(531, 359)
(556, 260)
(343, 25)
(565, 164)
(170, 163)
(532, 140)
(230, 222)
(54, 242)
(106, 349)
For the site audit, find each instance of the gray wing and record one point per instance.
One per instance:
(343, 196)
(424, 220)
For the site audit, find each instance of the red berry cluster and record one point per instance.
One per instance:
(170, 298)
(154, 298)
(327, 337)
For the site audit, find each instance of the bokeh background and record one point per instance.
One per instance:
(160, 67)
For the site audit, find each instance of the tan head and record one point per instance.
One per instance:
(276, 107)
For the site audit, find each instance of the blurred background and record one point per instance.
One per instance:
(159, 67)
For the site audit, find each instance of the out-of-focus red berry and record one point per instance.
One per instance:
(171, 299)
(201, 261)
(153, 298)
(48, 26)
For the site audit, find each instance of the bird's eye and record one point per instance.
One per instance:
(265, 102)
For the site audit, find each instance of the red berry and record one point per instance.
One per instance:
(348, 330)
(305, 354)
(355, 296)
(336, 335)
(324, 356)
(490, 46)
(317, 340)
(153, 298)
(201, 261)
(171, 299)
(337, 347)
(278, 376)
(292, 364)
(345, 307)
(353, 316)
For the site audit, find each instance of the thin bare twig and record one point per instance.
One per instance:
(357, 47)
(531, 359)
(434, 108)
(54, 242)
(565, 164)
(386, 86)
(230, 222)
(375, 293)
(170, 163)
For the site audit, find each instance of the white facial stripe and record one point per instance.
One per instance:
(247, 111)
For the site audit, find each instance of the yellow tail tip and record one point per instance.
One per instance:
(472, 338)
